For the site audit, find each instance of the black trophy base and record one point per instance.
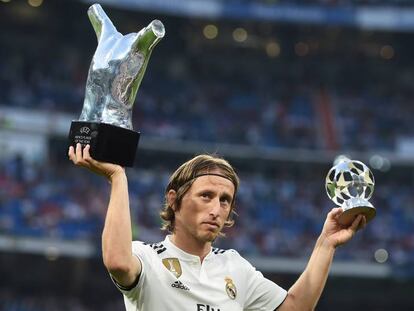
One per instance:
(109, 143)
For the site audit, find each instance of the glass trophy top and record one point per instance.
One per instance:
(349, 179)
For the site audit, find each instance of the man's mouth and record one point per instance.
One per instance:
(212, 224)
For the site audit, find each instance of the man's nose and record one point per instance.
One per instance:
(215, 207)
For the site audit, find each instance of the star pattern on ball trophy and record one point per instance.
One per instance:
(350, 184)
(114, 76)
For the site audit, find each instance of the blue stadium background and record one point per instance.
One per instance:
(279, 88)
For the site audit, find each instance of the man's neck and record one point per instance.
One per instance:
(191, 245)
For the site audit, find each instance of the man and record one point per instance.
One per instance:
(184, 272)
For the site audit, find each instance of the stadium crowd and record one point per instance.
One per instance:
(241, 96)
(279, 215)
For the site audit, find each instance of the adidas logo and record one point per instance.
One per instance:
(178, 284)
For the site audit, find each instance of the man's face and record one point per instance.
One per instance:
(205, 208)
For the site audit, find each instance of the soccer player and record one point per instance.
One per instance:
(184, 272)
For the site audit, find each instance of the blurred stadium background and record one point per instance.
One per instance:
(278, 87)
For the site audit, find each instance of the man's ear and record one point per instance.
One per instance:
(171, 199)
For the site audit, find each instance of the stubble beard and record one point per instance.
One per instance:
(204, 236)
(209, 236)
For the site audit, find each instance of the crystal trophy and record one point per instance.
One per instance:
(350, 184)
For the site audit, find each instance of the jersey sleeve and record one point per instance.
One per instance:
(261, 294)
(132, 294)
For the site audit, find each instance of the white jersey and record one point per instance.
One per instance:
(172, 279)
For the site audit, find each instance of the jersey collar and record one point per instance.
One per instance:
(179, 253)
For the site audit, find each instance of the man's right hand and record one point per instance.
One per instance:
(83, 158)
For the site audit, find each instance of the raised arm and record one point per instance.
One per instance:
(306, 291)
(117, 232)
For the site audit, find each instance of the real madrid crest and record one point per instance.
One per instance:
(231, 289)
(173, 264)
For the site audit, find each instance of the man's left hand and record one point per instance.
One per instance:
(337, 234)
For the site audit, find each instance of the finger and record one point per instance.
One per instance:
(363, 222)
(71, 153)
(100, 21)
(86, 154)
(78, 153)
(335, 212)
(356, 222)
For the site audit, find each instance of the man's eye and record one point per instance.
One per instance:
(225, 201)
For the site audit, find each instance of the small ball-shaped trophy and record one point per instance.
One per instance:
(350, 185)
